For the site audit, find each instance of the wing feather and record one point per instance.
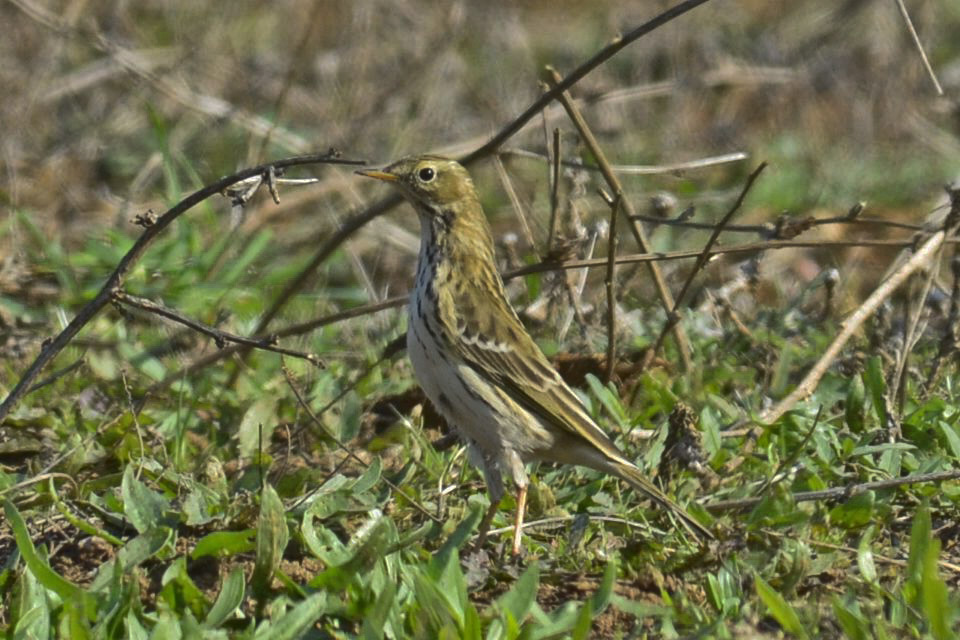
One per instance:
(490, 338)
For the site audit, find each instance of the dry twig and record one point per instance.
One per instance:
(838, 492)
(115, 280)
(923, 255)
(673, 316)
(666, 298)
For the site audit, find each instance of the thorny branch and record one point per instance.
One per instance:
(115, 280)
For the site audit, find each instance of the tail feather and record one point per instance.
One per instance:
(641, 483)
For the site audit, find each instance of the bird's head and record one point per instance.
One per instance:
(434, 185)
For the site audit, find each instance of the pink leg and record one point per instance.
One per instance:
(518, 521)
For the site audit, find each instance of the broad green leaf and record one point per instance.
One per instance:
(608, 398)
(938, 611)
(229, 599)
(779, 608)
(369, 478)
(876, 387)
(256, 426)
(144, 507)
(272, 537)
(868, 569)
(518, 599)
(322, 542)
(32, 609)
(135, 630)
(34, 623)
(135, 552)
(920, 540)
(376, 616)
(854, 404)
(582, 627)
(460, 536)
(197, 508)
(167, 628)
(853, 625)
(472, 629)
(710, 427)
(224, 543)
(178, 589)
(951, 436)
(855, 512)
(46, 576)
(433, 611)
(601, 598)
(367, 548)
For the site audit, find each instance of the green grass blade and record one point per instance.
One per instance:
(45, 575)
(779, 608)
(231, 597)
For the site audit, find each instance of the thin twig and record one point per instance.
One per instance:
(920, 258)
(554, 190)
(610, 286)
(768, 230)
(150, 233)
(574, 287)
(578, 74)
(398, 301)
(326, 249)
(486, 149)
(686, 254)
(666, 298)
(838, 492)
(876, 556)
(516, 204)
(634, 169)
(331, 244)
(910, 333)
(789, 460)
(56, 375)
(850, 326)
(352, 385)
(219, 336)
(673, 315)
(919, 46)
(948, 343)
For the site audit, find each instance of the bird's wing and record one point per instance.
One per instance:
(490, 338)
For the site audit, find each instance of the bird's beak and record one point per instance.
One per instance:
(379, 175)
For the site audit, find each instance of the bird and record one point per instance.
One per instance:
(474, 359)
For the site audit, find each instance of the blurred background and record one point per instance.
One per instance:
(115, 108)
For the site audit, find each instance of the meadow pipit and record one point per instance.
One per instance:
(475, 361)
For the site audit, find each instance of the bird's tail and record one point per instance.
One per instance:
(641, 483)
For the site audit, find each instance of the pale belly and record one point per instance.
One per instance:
(479, 413)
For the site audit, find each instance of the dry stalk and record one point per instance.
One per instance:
(923, 255)
(666, 298)
(115, 280)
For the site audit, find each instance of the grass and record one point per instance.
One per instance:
(262, 496)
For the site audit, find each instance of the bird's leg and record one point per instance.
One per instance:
(485, 523)
(518, 521)
(495, 489)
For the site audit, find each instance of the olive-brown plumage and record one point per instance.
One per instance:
(473, 357)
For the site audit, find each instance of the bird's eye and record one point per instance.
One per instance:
(426, 174)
